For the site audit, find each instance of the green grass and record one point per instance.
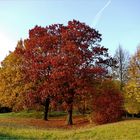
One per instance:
(22, 114)
(123, 130)
(31, 114)
(126, 130)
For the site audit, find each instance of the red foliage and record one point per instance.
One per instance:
(62, 60)
(107, 104)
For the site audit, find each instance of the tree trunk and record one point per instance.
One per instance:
(84, 107)
(47, 102)
(126, 115)
(69, 118)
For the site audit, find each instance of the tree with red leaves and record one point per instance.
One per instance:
(62, 61)
(107, 103)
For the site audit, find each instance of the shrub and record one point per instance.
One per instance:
(107, 103)
(5, 109)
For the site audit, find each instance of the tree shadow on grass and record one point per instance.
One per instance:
(9, 137)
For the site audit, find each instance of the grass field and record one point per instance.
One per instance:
(23, 126)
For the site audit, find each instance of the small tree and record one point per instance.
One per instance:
(107, 103)
(120, 70)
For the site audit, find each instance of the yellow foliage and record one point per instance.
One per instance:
(12, 86)
(132, 88)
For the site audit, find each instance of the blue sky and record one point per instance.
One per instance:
(117, 20)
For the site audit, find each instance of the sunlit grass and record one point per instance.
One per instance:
(124, 130)
(21, 126)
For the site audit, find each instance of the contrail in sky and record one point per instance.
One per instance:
(99, 14)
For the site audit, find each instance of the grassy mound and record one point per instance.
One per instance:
(127, 130)
(13, 126)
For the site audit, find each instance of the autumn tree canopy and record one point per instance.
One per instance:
(62, 61)
(132, 88)
(107, 103)
(12, 81)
